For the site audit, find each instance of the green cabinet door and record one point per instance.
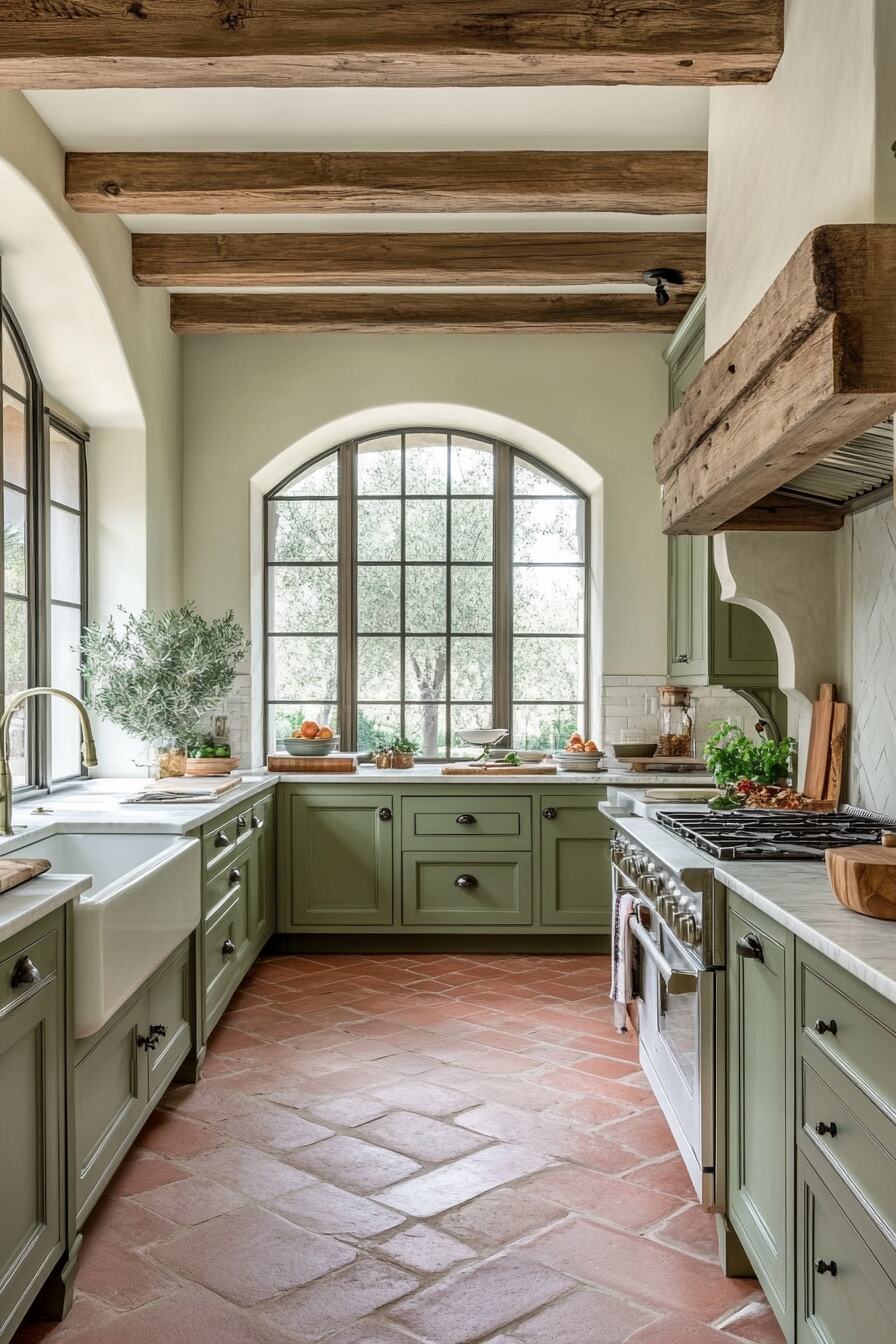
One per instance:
(339, 855)
(451, 888)
(31, 1126)
(688, 613)
(761, 1130)
(575, 860)
(262, 914)
(170, 1006)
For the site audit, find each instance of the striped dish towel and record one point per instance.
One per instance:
(624, 951)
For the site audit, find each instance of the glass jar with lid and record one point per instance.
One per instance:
(676, 722)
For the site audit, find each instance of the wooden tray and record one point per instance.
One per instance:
(333, 764)
(863, 878)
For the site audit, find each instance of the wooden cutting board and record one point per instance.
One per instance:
(827, 746)
(640, 764)
(13, 872)
(863, 878)
(313, 765)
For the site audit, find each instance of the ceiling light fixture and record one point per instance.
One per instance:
(659, 279)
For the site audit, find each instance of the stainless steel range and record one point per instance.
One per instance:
(756, 833)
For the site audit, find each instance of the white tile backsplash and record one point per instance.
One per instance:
(237, 707)
(629, 702)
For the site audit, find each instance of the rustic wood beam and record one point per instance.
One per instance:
(780, 512)
(649, 182)
(812, 367)
(253, 259)
(182, 43)
(471, 314)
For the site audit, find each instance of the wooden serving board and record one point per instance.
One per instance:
(500, 770)
(13, 872)
(864, 879)
(313, 765)
(641, 763)
(827, 745)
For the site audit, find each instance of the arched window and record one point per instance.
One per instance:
(422, 582)
(43, 612)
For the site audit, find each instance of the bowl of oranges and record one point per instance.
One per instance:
(309, 739)
(580, 754)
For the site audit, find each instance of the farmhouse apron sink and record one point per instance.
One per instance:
(144, 901)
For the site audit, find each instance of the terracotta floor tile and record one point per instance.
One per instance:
(755, 1322)
(189, 1316)
(422, 1097)
(548, 1136)
(144, 1171)
(584, 1316)
(646, 1133)
(678, 1330)
(424, 1249)
(128, 1224)
(230, 1041)
(456, 1182)
(670, 1176)
(471, 1303)
(87, 1314)
(693, 1230)
(354, 1164)
(370, 1331)
(603, 1197)
(122, 1278)
(193, 1200)
(252, 1255)
(589, 1111)
(335, 1212)
(210, 1100)
(501, 1217)
(421, 1136)
(343, 1112)
(175, 1136)
(273, 1128)
(255, 1174)
(340, 1299)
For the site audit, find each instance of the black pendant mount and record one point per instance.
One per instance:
(659, 278)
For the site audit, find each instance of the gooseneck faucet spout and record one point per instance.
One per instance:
(88, 746)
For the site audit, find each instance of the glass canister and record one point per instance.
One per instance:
(676, 722)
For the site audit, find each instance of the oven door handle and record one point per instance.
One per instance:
(676, 982)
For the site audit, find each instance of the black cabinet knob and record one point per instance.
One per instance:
(465, 882)
(25, 973)
(151, 1040)
(257, 823)
(824, 1128)
(749, 947)
(826, 1267)
(241, 823)
(229, 948)
(221, 841)
(234, 877)
(385, 814)
(822, 1027)
(549, 813)
(465, 819)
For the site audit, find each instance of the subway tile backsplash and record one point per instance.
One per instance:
(629, 703)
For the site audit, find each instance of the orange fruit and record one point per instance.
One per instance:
(577, 746)
(325, 734)
(309, 729)
(590, 746)
(573, 739)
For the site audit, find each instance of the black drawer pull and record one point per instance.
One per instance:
(25, 973)
(241, 823)
(749, 947)
(229, 948)
(826, 1267)
(385, 814)
(823, 1128)
(549, 813)
(465, 882)
(465, 819)
(257, 823)
(235, 877)
(155, 1035)
(821, 1026)
(221, 841)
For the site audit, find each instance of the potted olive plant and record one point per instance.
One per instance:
(157, 673)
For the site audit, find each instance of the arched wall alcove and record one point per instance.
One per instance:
(380, 419)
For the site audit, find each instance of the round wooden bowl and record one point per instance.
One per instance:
(207, 766)
(863, 878)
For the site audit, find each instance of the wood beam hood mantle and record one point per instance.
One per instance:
(812, 367)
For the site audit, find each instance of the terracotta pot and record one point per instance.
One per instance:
(402, 760)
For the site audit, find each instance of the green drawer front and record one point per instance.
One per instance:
(170, 1006)
(863, 1043)
(221, 888)
(468, 821)
(861, 1151)
(43, 953)
(222, 839)
(222, 967)
(857, 1304)
(448, 888)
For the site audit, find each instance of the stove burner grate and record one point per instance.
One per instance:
(759, 834)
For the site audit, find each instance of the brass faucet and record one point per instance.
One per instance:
(88, 746)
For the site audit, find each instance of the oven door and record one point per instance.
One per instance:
(677, 1047)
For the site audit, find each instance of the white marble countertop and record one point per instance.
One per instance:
(432, 774)
(26, 904)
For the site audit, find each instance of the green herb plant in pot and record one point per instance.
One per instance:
(156, 674)
(737, 760)
(402, 752)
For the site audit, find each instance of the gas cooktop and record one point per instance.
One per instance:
(753, 833)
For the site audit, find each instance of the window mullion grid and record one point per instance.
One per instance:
(502, 589)
(402, 637)
(347, 625)
(449, 633)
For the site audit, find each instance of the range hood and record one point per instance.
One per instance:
(852, 477)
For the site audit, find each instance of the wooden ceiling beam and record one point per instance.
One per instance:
(780, 512)
(811, 368)
(192, 43)
(650, 182)
(389, 314)
(407, 259)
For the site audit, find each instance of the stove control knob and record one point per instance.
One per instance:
(666, 907)
(685, 927)
(650, 885)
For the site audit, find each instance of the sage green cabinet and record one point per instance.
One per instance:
(760, 1098)
(262, 911)
(576, 884)
(472, 822)
(451, 887)
(337, 869)
(32, 1008)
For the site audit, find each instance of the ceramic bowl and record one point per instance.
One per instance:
(584, 762)
(624, 751)
(306, 746)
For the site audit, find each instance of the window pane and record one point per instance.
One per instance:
(528, 480)
(468, 717)
(426, 464)
(13, 372)
(425, 725)
(302, 530)
(379, 598)
(548, 601)
(65, 672)
(471, 669)
(554, 663)
(471, 600)
(303, 668)
(426, 605)
(377, 724)
(471, 529)
(65, 555)
(426, 665)
(14, 548)
(426, 529)
(303, 598)
(379, 529)
(545, 727)
(379, 669)
(472, 467)
(16, 679)
(65, 469)
(379, 466)
(320, 479)
(549, 530)
(14, 437)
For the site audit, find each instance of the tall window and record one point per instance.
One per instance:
(422, 583)
(43, 566)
